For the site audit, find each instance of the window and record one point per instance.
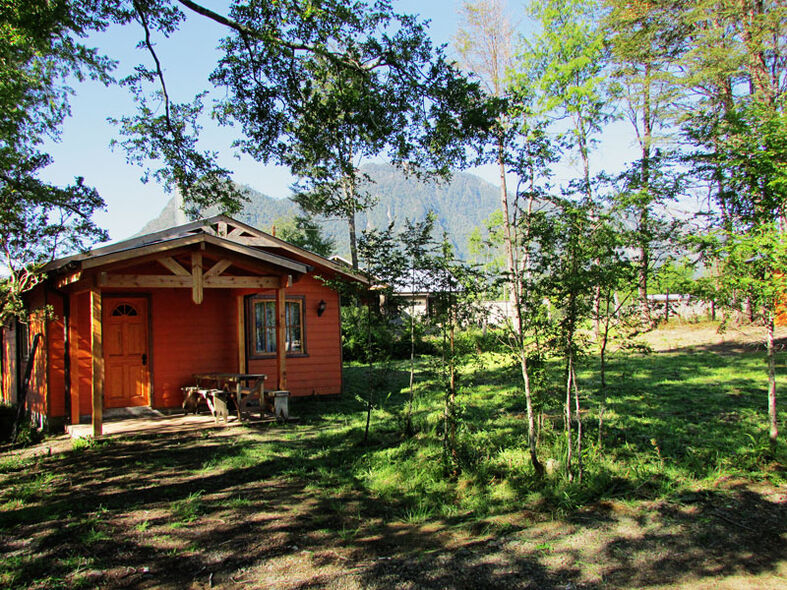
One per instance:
(124, 309)
(261, 326)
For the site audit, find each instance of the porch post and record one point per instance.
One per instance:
(241, 335)
(196, 277)
(281, 336)
(97, 340)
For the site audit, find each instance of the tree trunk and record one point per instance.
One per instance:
(409, 418)
(642, 275)
(772, 415)
(603, 371)
(370, 380)
(643, 228)
(449, 428)
(532, 441)
(531, 423)
(666, 308)
(21, 402)
(569, 443)
(353, 239)
(580, 465)
(509, 246)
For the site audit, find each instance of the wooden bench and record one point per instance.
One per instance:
(213, 398)
(244, 388)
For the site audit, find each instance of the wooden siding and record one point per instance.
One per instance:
(37, 394)
(187, 338)
(56, 360)
(320, 372)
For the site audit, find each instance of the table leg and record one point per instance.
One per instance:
(237, 404)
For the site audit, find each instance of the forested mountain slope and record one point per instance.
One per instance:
(460, 205)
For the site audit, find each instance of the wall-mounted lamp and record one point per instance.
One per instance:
(321, 307)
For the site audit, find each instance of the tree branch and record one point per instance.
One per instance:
(159, 72)
(245, 31)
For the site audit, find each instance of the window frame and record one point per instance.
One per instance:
(251, 326)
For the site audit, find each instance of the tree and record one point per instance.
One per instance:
(303, 231)
(418, 247)
(753, 262)
(39, 221)
(372, 84)
(646, 42)
(485, 42)
(383, 264)
(736, 69)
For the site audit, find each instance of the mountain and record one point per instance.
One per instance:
(460, 206)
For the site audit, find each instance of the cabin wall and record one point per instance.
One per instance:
(56, 359)
(188, 338)
(9, 360)
(320, 371)
(80, 344)
(37, 393)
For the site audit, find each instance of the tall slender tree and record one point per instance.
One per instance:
(485, 42)
(646, 42)
(567, 62)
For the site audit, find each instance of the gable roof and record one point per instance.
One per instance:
(219, 230)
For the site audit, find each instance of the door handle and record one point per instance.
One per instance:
(144, 359)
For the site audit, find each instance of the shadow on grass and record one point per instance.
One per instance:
(116, 508)
(169, 509)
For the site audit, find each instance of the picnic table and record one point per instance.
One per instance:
(246, 387)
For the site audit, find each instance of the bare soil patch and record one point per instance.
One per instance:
(708, 336)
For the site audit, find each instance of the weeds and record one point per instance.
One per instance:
(188, 509)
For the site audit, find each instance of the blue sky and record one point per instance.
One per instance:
(188, 57)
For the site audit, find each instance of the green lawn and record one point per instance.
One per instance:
(682, 433)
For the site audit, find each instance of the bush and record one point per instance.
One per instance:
(390, 336)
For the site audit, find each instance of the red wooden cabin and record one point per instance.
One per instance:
(135, 320)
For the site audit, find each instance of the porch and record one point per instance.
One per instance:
(138, 336)
(151, 421)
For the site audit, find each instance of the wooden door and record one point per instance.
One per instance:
(126, 354)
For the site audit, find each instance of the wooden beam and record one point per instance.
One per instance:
(149, 281)
(231, 282)
(137, 255)
(171, 281)
(86, 283)
(173, 266)
(68, 279)
(222, 225)
(218, 268)
(196, 277)
(241, 335)
(97, 352)
(281, 337)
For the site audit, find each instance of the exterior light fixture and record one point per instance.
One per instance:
(321, 307)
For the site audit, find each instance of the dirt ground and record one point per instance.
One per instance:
(708, 337)
(140, 513)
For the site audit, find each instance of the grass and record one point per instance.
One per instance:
(676, 426)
